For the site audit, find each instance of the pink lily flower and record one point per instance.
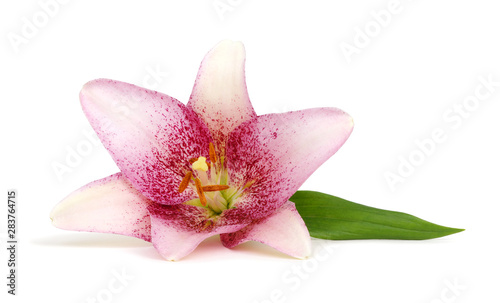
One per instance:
(209, 167)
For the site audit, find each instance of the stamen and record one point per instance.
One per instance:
(185, 181)
(211, 150)
(199, 189)
(192, 160)
(215, 187)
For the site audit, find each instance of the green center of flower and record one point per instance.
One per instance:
(211, 182)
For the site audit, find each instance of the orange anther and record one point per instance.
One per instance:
(185, 181)
(214, 187)
(211, 150)
(199, 189)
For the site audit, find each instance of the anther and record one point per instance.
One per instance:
(199, 189)
(211, 150)
(215, 187)
(185, 181)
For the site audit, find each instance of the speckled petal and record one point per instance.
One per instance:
(220, 94)
(178, 229)
(279, 152)
(151, 136)
(284, 230)
(109, 205)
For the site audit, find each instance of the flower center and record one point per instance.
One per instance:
(211, 183)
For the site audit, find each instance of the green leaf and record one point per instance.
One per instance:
(333, 218)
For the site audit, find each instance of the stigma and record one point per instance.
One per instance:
(200, 164)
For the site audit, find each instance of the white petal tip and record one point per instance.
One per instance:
(227, 52)
(229, 44)
(54, 215)
(90, 85)
(306, 253)
(304, 257)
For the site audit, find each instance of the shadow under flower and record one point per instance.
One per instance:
(213, 247)
(205, 251)
(90, 240)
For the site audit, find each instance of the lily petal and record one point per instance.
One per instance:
(284, 230)
(109, 205)
(177, 230)
(220, 94)
(150, 136)
(278, 152)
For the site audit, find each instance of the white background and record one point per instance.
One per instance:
(397, 87)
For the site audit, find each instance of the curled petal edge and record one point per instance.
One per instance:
(177, 230)
(284, 230)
